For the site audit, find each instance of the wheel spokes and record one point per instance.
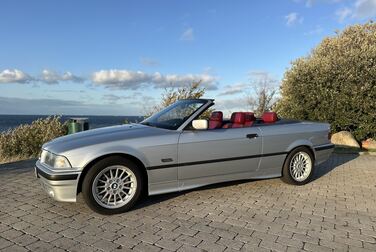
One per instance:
(114, 186)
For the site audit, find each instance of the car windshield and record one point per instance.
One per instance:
(174, 115)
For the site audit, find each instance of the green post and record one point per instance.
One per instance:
(77, 124)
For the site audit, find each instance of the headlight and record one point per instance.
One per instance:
(53, 160)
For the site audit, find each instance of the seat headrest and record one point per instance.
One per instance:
(249, 116)
(238, 117)
(216, 116)
(269, 117)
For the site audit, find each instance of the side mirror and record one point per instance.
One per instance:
(200, 124)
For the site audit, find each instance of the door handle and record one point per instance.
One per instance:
(250, 136)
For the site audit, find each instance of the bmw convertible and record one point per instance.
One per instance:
(177, 149)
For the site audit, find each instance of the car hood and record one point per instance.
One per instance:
(101, 135)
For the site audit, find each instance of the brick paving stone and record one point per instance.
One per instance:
(225, 233)
(127, 242)
(86, 238)
(233, 244)
(49, 236)
(71, 233)
(4, 243)
(40, 246)
(148, 237)
(64, 242)
(25, 240)
(82, 248)
(314, 247)
(189, 240)
(105, 245)
(169, 244)
(15, 248)
(209, 246)
(146, 247)
(11, 234)
(335, 212)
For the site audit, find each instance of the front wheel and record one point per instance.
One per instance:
(112, 185)
(298, 168)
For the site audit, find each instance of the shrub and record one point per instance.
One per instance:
(336, 83)
(26, 141)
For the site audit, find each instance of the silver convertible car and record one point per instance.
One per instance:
(176, 150)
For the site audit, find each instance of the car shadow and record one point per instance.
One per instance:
(331, 164)
(155, 199)
(23, 164)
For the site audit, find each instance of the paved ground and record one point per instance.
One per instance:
(337, 211)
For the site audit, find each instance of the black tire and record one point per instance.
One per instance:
(287, 176)
(96, 169)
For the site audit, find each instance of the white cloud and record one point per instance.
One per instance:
(365, 9)
(361, 9)
(343, 14)
(293, 18)
(188, 35)
(125, 79)
(14, 76)
(52, 77)
(235, 89)
(121, 79)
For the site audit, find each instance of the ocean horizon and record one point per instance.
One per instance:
(8, 122)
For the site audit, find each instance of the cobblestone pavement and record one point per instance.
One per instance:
(337, 211)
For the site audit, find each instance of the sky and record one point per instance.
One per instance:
(117, 57)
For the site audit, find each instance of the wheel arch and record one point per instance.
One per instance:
(301, 143)
(309, 147)
(134, 159)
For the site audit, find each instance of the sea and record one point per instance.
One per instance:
(11, 121)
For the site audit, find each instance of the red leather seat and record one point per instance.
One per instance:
(249, 119)
(216, 120)
(269, 117)
(237, 121)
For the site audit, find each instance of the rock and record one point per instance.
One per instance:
(369, 144)
(345, 139)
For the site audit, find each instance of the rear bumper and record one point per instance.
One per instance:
(61, 186)
(323, 152)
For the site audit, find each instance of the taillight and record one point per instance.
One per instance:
(329, 135)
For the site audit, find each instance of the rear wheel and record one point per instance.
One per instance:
(112, 185)
(298, 168)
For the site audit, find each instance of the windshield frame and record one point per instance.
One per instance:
(206, 103)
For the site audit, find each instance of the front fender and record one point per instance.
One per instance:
(82, 158)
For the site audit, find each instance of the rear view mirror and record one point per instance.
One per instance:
(200, 124)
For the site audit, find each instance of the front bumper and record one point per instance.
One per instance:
(61, 186)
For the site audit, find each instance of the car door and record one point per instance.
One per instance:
(211, 156)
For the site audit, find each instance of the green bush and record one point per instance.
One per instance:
(336, 83)
(26, 141)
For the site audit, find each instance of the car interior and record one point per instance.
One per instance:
(240, 120)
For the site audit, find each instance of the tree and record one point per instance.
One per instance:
(336, 83)
(264, 91)
(173, 94)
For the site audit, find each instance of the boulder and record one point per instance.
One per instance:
(345, 139)
(369, 144)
